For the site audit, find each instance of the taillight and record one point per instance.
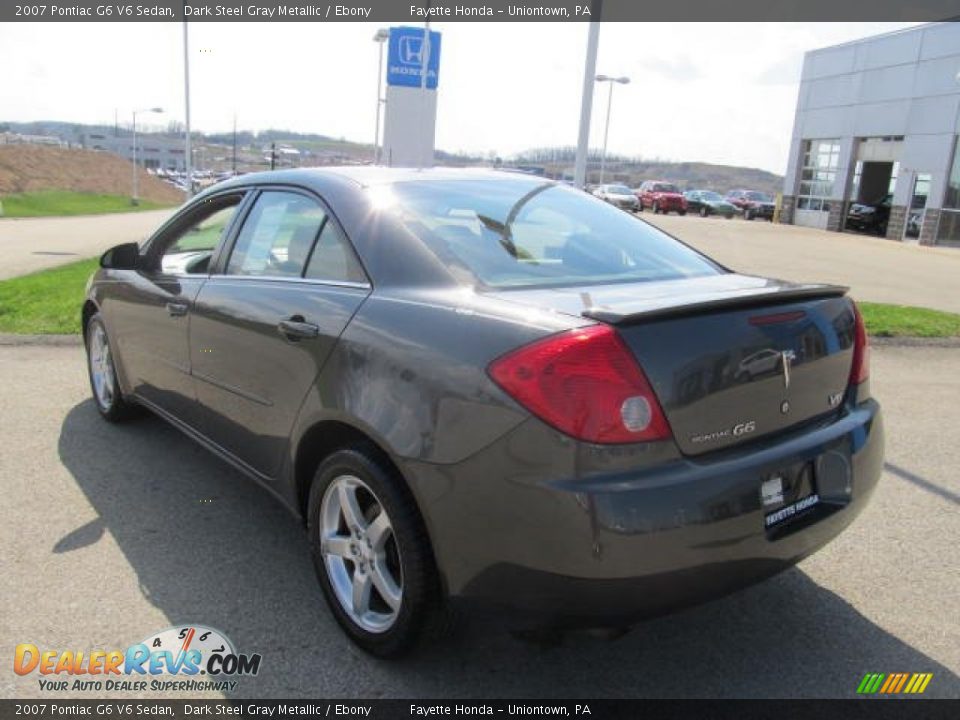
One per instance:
(585, 383)
(860, 370)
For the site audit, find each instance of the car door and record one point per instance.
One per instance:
(150, 314)
(266, 320)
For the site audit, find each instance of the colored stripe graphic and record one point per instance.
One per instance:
(894, 683)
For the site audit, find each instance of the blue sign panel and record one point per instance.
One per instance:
(405, 58)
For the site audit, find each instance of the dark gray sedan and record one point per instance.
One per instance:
(490, 389)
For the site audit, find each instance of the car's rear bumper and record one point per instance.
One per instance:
(613, 548)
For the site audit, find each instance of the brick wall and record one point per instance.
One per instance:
(895, 225)
(787, 204)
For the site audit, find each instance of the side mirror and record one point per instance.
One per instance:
(121, 257)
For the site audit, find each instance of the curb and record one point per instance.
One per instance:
(13, 340)
(10, 339)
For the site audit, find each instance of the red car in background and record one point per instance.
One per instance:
(661, 197)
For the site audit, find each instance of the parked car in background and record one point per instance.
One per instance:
(619, 195)
(707, 202)
(487, 388)
(753, 203)
(661, 197)
(870, 217)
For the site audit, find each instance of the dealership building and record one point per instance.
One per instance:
(876, 124)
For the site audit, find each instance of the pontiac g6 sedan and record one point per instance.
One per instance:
(490, 389)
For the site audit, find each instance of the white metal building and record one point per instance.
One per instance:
(877, 123)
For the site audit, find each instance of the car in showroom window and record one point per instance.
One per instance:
(485, 389)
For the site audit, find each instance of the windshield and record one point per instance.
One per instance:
(619, 190)
(665, 187)
(710, 195)
(759, 197)
(524, 233)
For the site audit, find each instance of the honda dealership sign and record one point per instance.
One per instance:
(405, 58)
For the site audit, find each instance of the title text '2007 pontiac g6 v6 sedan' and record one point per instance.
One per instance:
(491, 389)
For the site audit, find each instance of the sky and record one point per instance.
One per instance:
(714, 92)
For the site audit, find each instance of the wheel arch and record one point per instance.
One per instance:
(326, 437)
(89, 310)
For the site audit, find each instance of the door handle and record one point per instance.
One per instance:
(177, 309)
(296, 328)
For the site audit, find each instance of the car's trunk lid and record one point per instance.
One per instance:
(730, 357)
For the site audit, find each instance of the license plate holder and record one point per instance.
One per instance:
(787, 493)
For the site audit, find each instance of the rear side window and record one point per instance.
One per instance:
(333, 259)
(524, 232)
(277, 236)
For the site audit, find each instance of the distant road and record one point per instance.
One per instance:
(31, 244)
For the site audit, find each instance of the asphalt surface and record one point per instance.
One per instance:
(31, 244)
(874, 268)
(112, 533)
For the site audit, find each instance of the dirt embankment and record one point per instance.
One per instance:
(27, 168)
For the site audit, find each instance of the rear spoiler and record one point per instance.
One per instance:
(660, 308)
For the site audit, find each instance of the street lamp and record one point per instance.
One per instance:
(135, 200)
(606, 129)
(381, 36)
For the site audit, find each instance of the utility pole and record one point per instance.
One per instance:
(273, 155)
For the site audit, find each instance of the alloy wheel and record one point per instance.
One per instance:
(101, 368)
(360, 554)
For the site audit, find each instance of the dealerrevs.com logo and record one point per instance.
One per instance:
(191, 658)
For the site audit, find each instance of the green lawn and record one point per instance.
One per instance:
(49, 301)
(45, 302)
(904, 321)
(47, 203)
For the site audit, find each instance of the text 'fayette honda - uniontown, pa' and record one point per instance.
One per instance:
(489, 389)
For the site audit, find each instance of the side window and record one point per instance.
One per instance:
(190, 249)
(277, 236)
(333, 258)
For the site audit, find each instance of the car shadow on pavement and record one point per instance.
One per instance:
(211, 547)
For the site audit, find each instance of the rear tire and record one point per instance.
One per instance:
(656, 208)
(371, 553)
(747, 214)
(703, 211)
(102, 372)
(681, 212)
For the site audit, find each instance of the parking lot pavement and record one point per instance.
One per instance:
(876, 269)
(31, 244)
(114, 532)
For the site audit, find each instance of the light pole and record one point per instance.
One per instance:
(381, 36)
(187, 150)
(135, 200)
(606, 129)
(586, 103)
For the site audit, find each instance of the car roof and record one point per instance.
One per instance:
(368, 175)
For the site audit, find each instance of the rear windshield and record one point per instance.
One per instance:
(665, 187)
(619, 190)
(522, 233)
(760, 197)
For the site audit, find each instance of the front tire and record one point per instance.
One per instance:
(747, 214)
(703, 211)
(102, 372)
(371, 552)
(656, 208)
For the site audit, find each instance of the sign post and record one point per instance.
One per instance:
(413, 71)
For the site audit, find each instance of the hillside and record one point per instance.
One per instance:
(30, 168)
